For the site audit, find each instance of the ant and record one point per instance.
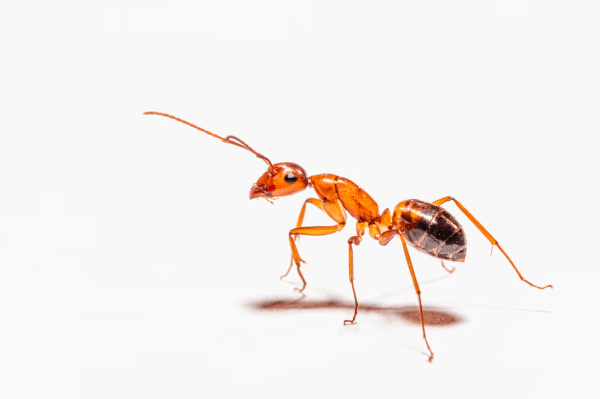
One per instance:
(426, 226)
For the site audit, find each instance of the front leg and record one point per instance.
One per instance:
(334, 211)
(315, 202)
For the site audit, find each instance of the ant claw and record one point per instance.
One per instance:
(430, 360)
(349, 321)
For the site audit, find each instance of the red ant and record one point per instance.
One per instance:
(425, 226)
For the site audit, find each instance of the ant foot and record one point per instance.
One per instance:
(535, 286)
(349, 321)
(285, 275)
(450, 271)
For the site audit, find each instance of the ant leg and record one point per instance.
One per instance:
(450, 271)
(486, 234)
(414, 278)
(311, 231)
(356, 240)
(315, 202)
(384, 239)
(335, 211)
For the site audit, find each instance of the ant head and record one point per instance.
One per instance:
(285, 178)
(281, 179)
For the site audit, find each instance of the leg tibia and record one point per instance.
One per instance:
(354, 240)
(333, 211)
(487, 234)
(418, 291)
(316, 202)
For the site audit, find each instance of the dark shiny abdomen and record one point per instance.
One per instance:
(431, 229)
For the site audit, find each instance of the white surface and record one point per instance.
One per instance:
(131, 257)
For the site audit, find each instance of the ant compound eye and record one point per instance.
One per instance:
(291, 178)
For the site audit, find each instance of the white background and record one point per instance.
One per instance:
(132, 263)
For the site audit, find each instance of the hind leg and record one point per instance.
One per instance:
(487, 235)
(384, 239)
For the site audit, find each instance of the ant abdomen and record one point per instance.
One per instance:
(431, 229)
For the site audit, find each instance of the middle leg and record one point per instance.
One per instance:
(354, 240)
(450, 271)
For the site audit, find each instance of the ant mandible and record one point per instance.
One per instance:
(425, 226)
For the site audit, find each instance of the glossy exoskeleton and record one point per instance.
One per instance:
(425, 226)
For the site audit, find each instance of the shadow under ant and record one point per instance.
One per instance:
(433, 317)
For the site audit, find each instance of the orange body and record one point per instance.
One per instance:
(355, 200)
(426, 226)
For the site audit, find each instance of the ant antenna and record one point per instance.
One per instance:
(229, 139)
